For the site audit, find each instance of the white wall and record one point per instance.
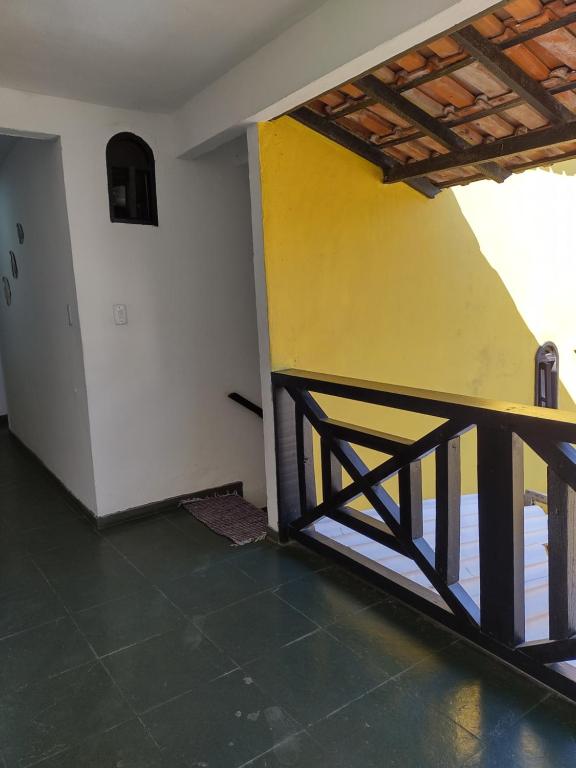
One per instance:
(161, 424)
(3, 402)
(41, 353)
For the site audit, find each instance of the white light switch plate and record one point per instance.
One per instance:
(120, 314)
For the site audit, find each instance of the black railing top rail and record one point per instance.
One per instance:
(473, 410)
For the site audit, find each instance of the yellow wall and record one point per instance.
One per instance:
(377, 282)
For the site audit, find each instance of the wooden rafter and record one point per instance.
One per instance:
(518, 39)
(349, 107)
(544, 29)
(421, 120)
(493, 98)
(473, 155)
(435, 74)
(496, 62)
(472, 117)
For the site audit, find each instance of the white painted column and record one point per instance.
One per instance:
(262, 321)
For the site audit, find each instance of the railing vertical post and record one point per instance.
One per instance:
(561, 557)
(305, 462)
(448, 492)
(410, 492)
(286, 462)
(501, 529)
(331, 471)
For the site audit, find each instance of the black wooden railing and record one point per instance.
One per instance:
(503, 429)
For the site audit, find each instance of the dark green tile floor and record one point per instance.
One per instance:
(155, 644)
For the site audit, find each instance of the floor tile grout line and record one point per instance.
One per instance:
(318, 626)
(274, 747)
(265, 591)
(387, 681)
(291, 581)
(174, 605)
(313, 632)
(23, 531)
(269, 589)
(101, 665)
(53, 676)
(141, 641)
(55, 621)
(186, 618)
(68, 612)
(441, 713)
(188, 691)
(116, 686)
(118, 599)
(362, 656)
(242, 553)
(79, 743)
(485, 740)
(259, 593)
(47, 623)
(335, 621)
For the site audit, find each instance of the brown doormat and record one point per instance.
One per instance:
(230, 516)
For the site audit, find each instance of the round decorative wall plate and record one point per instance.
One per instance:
(20, 231)
(14, 265)
(7, 291)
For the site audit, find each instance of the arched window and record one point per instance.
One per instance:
(547, 376)
(131, 180)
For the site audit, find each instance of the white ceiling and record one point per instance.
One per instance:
(141, 54)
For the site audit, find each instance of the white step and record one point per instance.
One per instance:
(536, 557)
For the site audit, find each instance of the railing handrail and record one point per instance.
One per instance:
(248, 404)
(429, 402)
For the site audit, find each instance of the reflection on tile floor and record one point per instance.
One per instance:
(155, 644)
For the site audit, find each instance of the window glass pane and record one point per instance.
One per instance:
(142, 195)
(119, 193)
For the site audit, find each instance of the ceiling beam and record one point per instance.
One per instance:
(341, 136)
(522, 37)
(544, 137)
(503, 68)
(428, 125)
(531, 34)
(435, 74)
(472, 117)
(348, 107)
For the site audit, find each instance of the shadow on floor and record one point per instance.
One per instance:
(157, 645)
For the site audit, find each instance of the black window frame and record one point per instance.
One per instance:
(112, 165)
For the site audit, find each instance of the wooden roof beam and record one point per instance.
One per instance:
(336, 133)
(473, 116)
(523, 37)
(498, 64)
(544, 137)
(429, 126)
(435, 74)
(535, 32)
